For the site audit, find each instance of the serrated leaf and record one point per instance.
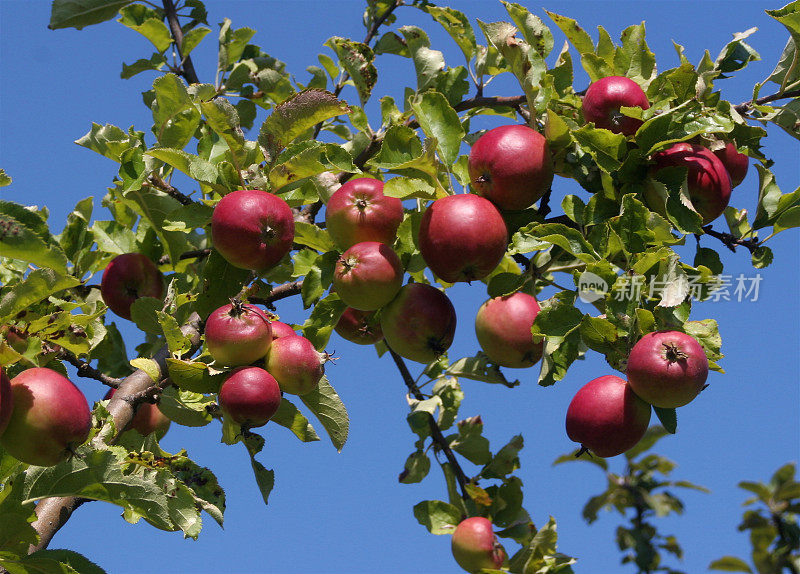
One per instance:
(326, 405)
(357, 60)
(193, 376)
(288, 416)
(505, 461)
(5, 179)
(185, 407)
(81, 13)
(223, 118)
(38, 285)
(18, 241)
(457, 26)
(313, 236)
(149, 366)
(219, 281)
(427, 63)
(479, 368)
(319, 325)
(437, 516)
(72, 560)
(194, 166)
(440, 121)
(147, 22)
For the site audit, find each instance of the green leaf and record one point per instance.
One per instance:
(5, 179)
(74, 561)
(29, 218)
(156, 62)
(18, 241)
(193, 376)
(288, 416)
(479, 368)
(681, 124)
(110, 141)
(192, 38)
(219, 281)
(531, 237)
(576, 35)
(668, 418)
(223, 118)
(606, 148)
(313, 236)
(730, 564)
(81, 13)
(558, 323)
(470, 443)
(409, 188)
(16, 532)
(295, 116)
(331, 412)
(505, 461)
(194, 166)
(437, 516)
(265, 479)
(457, 25)
(416, 468)
(113, 237)
(736, 54)
(174, 113)
(149, 366)
(634, 58)
(536, 34)
(306, 159)
(357, 60)
(185, 407)
(438, 120)
(232, 43)
(144, 312)
(319, 325)
(177, 342)
(148, 23)
(427, 63)
(38, 285)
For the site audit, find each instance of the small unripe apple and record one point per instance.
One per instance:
(503, 326)
(252, 229)
(237, 334)
(606, 96)
(50, 418)
(667, 369)
(128, 277)
(368, 275)
(462, 237)
(511, 166)
(707, 180)
(606, 417)
(6, 400)
(420, 323)
(147, 419)
(295, 364)
(360, 327)
(358, 211)
(280, 329)
(250, 396)
(736, 163)
(475, 546)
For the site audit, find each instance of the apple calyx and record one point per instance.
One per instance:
(362, 204)
(673, 354)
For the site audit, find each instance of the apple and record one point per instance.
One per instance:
(606, 417)
(606, 96)
(735, 163)
(50, 418)
(6, 400)
(462, 237)
(250, 396)
(147, 419)
(281, 330)
(360, 327)
(420, 323)
(128, 277)
(295, 364)
(252, 229)
(667, 369)
(708, 181)
(368, 275)
(511, 166)
(475, 546)
(503, 326)
(237, 334)
(358, 211)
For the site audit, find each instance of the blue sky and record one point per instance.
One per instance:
(336, 513)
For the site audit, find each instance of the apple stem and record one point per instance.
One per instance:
(581, 452)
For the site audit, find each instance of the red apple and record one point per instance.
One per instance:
(708, 181)
(6, 400)
(475, 546)
(667, 369)
(295, 364)
(250, 396)
(736, 163)
(358, 211)
(606, 96)
(128, 277)
(147, 419)
(281, 330)
(462, 237)
(50, 418)
(237, 334)
(252, 229)
(503, 326)
(360, 327)
(606, 417)
(368, 275)
(420, 323)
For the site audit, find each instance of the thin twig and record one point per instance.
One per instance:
(156, 181)
(279, 292)
(83, 367)
(187, 67)
(731, 241)
(745, 107)
(440, 443)
(193, 254)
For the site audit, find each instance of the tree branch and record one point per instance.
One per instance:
(282, 291)
(745, 107)
(731, 241)
(53, 513)
(83, 367)
(440, 443)
(156, 181)
(195, 253)
(187, 67)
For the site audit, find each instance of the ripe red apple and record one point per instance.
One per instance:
(358, 211)
(708, 181)
(606, 417)
(128, 277)
(475, 546)
(420, 323)
(250, 396)
(511, 166)
(462, 237)
(147, 419)
(503, 326)
(360, 327)
(238, 334)
(281, 330)
(252, 229)
(368, 275)
(50, 418)
(6, 400)
(295, 364)
(667, 369)
(736, 163)
(606, 96)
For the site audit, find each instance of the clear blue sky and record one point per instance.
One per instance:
(337, 513)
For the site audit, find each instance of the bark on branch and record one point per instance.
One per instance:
(186, 67)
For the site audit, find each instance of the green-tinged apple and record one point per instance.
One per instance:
(280, 329)
(237, 334)
(503, 326)
(128, 277)
(295, 364)
(475, 545)
(147, 419)
(368, 275)
(358, 211)
(250, 396)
